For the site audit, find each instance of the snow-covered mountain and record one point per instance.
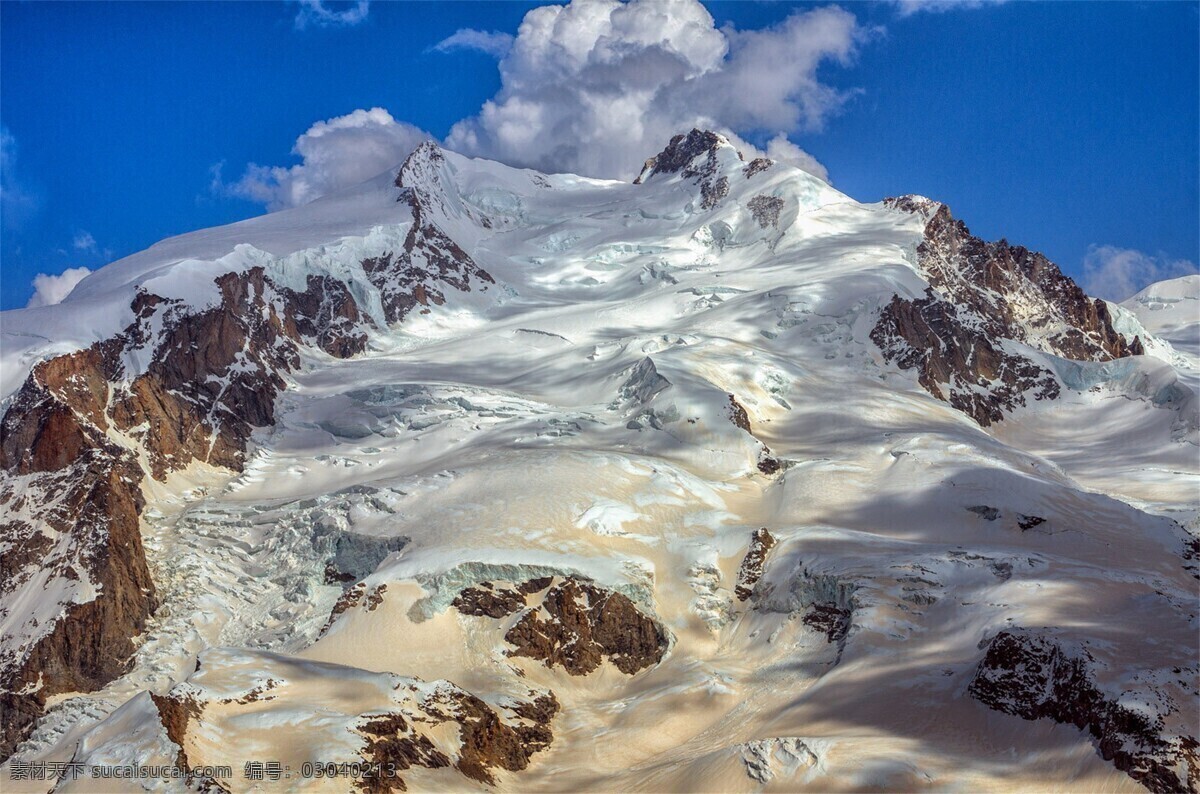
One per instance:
(718, 480)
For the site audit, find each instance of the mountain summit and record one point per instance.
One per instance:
(472, 476)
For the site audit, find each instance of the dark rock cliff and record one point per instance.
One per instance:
(982, 298)
(682, 157)
(1035, 677)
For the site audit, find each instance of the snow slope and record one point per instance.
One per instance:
(579, 420)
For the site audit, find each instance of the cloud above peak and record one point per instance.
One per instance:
(335, 153)
(595, 87)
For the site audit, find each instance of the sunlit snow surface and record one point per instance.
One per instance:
(504, 437)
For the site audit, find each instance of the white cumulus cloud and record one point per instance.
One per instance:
(336, 153)
(781, 149)
(324, 15)
(596, 86)
(1116, 273)
(495, 43)
(49, 290)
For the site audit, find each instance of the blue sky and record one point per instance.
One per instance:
(1071, 128)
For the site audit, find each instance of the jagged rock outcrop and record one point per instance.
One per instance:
(757, 166)
(831, 620)
(982, 297)
(486, 600)
(767, 464)
(754, 563)
(738, 415)
(213, 376)
(765, 210)
(578, 624)
(392, 746)
(955, 362)
(571, 623)
(429, 260)
(416, 731)
(680, 157)
(489, 739)
(1034, 676)
(175, 714)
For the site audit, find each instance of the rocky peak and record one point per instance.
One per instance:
(422, 167)
(696, 156)
(981, 294)
(1020, 292)
(912, 203)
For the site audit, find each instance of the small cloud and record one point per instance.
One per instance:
(496, 44)
(49, 290)
(84, 241)
(336, 153)
(781, 149)
(1116, 273)
(215, 178)
(322, 14)
(17, 204)
(906, 8)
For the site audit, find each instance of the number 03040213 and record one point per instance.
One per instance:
(317, 769)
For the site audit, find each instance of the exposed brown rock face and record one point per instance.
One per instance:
(956, 363)
(212, 377)
(193, 403)
(175, 713)
(679, 157)
(767, 464)
(486, 600)
(765, 209)
(831, 620)
(738, 415)
(982, 297)
(489, 739)
(352, 597)
(1029, 522)
(757, 166)
(1034, 677)
(489, 742)
(327, 314)
(393, 746)
(680, 152)
(754, 563)
(576, 626)
(91, 509)
(1191, 555)
(429, 260)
